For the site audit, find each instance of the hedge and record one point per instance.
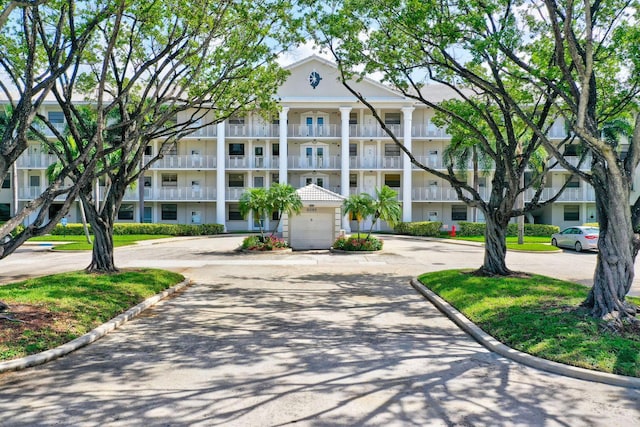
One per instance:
(466, 229)
(154, 229)
(424, 228)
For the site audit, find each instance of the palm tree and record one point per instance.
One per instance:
(386, 207)
(255, 200)
(283, 198)
(54, 170)
(359, 206)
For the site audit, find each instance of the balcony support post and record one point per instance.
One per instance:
(220, 177)
(344, 161)
(407, 113)
(284, 151)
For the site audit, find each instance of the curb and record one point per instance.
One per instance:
(91, 336)
(526, 359)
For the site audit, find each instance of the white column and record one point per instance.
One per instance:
(344, 157)
(284, 152)
(406, 169)
(221, 197)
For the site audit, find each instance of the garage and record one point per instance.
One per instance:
(318, 224)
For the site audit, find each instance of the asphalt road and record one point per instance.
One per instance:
(310, 338)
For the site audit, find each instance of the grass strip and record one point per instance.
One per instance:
(59, 308)
(80, 242)
(541, 316)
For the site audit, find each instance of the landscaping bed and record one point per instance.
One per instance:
(540, 316)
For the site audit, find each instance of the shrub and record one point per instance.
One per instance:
(153, 229)
(266, 243)
(357, 243)
(423, 228)
(467, 229)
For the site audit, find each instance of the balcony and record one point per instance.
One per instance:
(313, 131)
(387, 162)
(36, 161)
(433, 161)
(580, 194)
(184, 162)
(256, 131)
(318, 162)
(173, 194)
(372, 191)
(208, 131)
(30, 193)
(429, 131)
(234, 193)
(374, 131)
(436, 193)
(573, 161)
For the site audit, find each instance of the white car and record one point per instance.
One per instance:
(578, 238)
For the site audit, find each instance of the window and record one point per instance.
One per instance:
(392, 119)
(353, 180)
(169, 212)
(34, 181)
(236, 120)
(170, 150)
(392, 180)
(458, 213)
(275, 121)
(391, 150)
(234, 212)
(236, 180)
(258, 181)
(54, 209)
(275, 216)
(571, 213)
(56, 117)
(573, 182)
(147, 181)
(353, 118)
(275, 178)
(5, 211)
(571, 150)
(353, 150)
(148, 150)
(125, 212)
(169, 179)
(236, 149)
(275, 149)
(7, 182)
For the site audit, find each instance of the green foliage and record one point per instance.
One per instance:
(359, 206)
(422, 228)
(540, 316)
(477, 229)
(358, 243)
(83, 302)
(152, 229)
(264, 243)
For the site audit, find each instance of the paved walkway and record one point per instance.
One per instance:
(309, 338)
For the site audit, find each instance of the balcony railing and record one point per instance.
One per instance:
(580, 194)
(30, 193)
(429, 131)
(372, 191)
(204, 132)
(573, 161)
(313, 131)
(374, 131)
(36, 161)
(184, 162)
(318, 162)
(173, 194)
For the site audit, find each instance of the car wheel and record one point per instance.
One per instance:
(578, 247)
(554, 242)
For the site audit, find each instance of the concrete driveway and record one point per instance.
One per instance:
(314, 339)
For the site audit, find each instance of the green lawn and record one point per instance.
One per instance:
(540, 316)
(80, 242)
(62, 307)
(531, 243)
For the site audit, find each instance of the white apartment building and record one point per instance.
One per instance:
(322, 135)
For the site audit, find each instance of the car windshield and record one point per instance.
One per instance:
(591, 230)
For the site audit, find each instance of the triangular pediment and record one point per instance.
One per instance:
(326, 87)
(313, 193)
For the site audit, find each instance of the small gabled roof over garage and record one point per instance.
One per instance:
(319, 195)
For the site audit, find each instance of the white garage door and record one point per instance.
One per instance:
(312, 229)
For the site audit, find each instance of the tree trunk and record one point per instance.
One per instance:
(102, 255)
(83, 215)
(495, 250)
(614, 272)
